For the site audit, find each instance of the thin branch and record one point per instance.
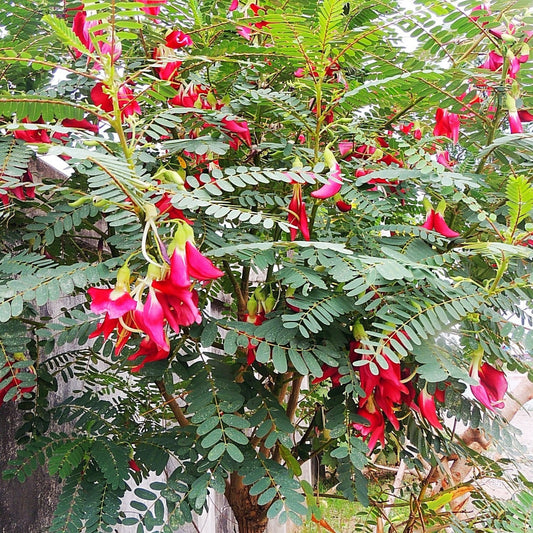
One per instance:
(172, 403)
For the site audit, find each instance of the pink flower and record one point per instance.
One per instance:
(198, 266)
(179, 304)
(447, 125)
(334, 183)
(426, 403)
(375, 427)
(481, 7)
(493, 62)
(492, 385)
(177, 39)
(150, 318)
(152, 7)
(240, 128)
(234, 5)
(114, 302)
(443, 157)
(245, 31)
(187, 262)
(299, 73)
(514, 118)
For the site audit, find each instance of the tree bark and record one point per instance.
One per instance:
(251, 517)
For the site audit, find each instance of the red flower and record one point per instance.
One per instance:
(37, 135)
(133, 465)
(426, 403)
(15, 382)
(126, 101)
(150, 352)
(297, 215)
(447, 125)
(435, 221)
(81, 27)
(177, 39)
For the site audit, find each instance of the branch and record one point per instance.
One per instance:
(172, 403)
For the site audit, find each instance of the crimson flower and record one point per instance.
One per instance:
(81, 27)
(150, 352)
(38, 135)
(126, 101)
(492, 384)
(525, 115)
(426, 403)
(133, 465)
(76, 124)
(177, 39)
(329, 372)
(297, 215)
(21, 192)
(447, 125)
(15, 382)
(343, 206)
(435, 221)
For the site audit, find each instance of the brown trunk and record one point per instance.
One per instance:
(251, 517)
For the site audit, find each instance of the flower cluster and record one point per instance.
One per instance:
(164, 297)
(386, 389)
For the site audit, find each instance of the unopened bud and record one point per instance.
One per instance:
(269, 303)
(358, 331)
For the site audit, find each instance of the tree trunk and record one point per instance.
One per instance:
(251, 517)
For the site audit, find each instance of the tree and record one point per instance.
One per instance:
(289, 235)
